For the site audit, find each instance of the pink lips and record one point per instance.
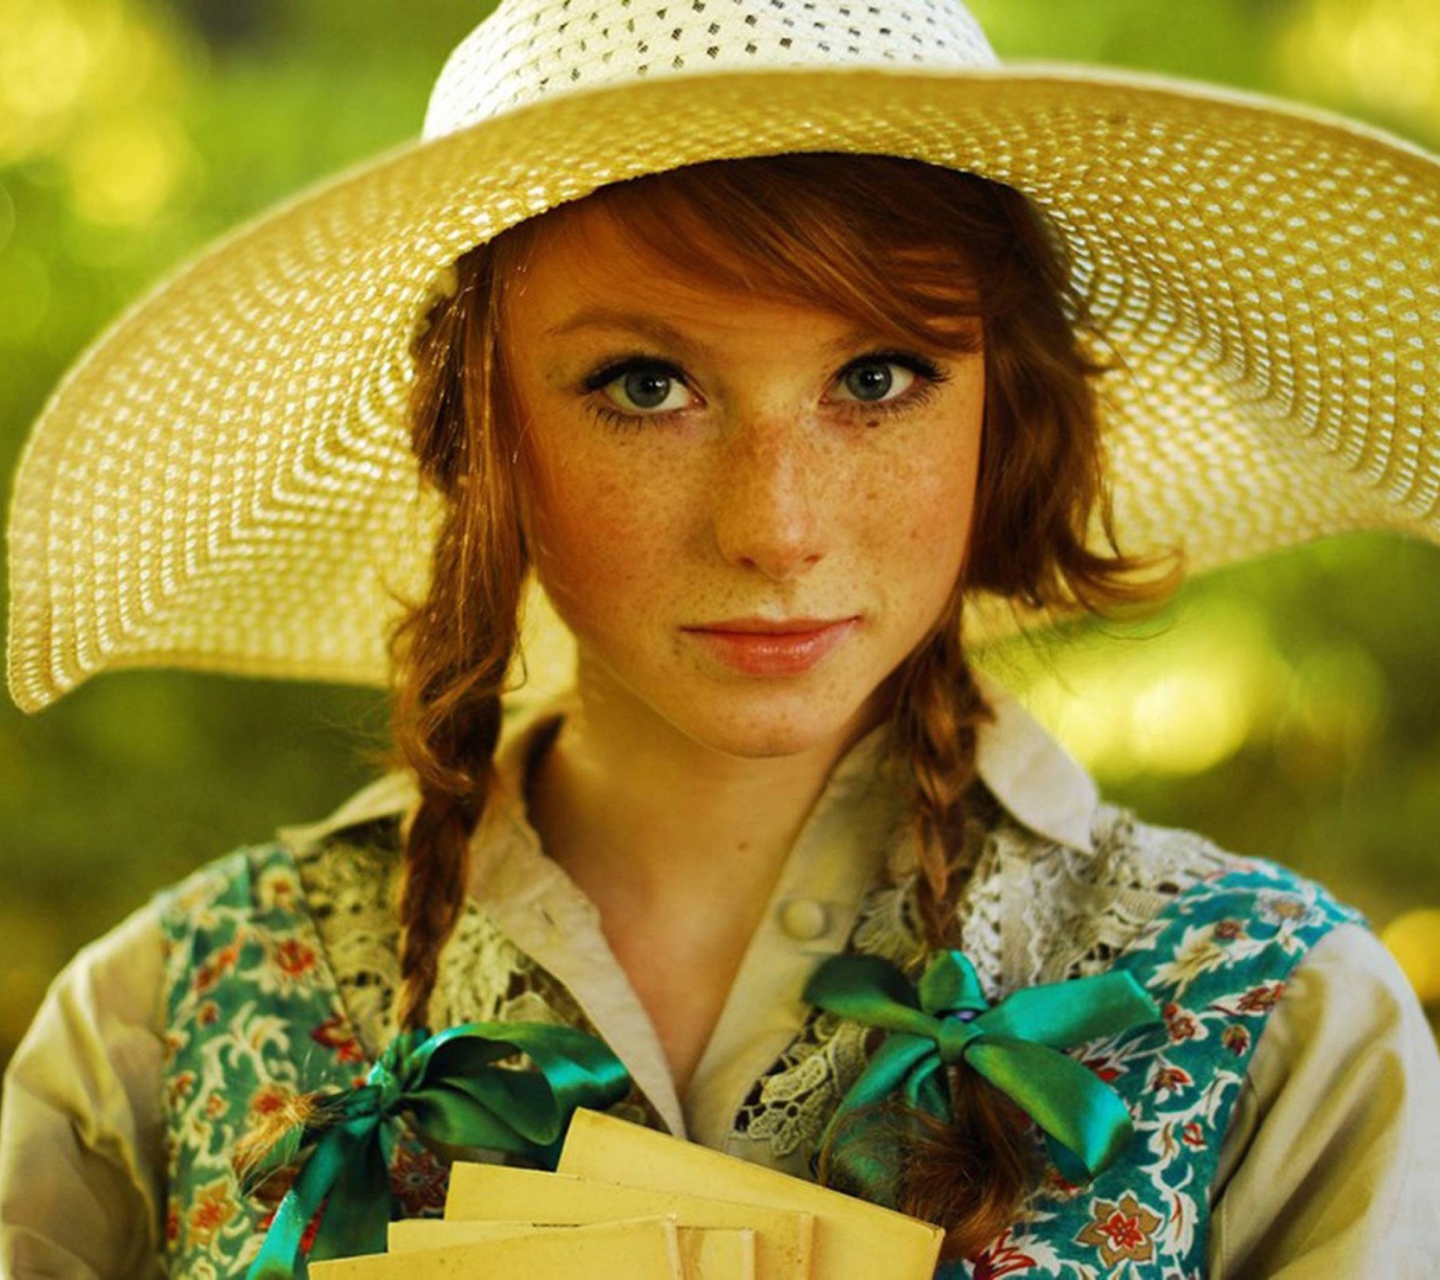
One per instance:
(765, 647)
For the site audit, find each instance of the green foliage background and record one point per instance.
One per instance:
(133, 131)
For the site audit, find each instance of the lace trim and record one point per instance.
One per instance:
(1031, 912)
(1071, 913)
(349, 882)
(1065, 913)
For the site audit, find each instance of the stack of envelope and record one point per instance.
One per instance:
(628, 1203)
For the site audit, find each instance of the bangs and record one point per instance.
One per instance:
(878, 240)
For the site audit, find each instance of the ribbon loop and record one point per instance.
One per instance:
(950, 985)
(945, 1020)
(453, 1097)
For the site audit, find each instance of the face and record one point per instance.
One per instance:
(748, 511)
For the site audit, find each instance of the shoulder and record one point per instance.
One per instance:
(241, 880)
(1139, 886)
(1187, 884)
(304, 869)
(278, 925)
(1332, 1160)
(112, 981)
(81, 1153)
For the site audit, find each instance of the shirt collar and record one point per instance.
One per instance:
(1042, 786)
(1027, 771)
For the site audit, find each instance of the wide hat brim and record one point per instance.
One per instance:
(223, 481)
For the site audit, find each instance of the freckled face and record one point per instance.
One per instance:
(748, 511)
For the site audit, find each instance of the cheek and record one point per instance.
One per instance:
(597, 536)
(925, 501)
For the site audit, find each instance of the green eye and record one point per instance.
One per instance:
(645, 388)
(874, 381)
(641, 387)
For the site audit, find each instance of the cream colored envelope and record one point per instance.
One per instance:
(706, 1253)
(644, 1250)
(854, 1240)
(783, 1236)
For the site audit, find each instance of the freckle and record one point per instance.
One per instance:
(872, 424)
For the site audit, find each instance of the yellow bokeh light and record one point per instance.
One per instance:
(1179, 702)
(1380, 54)
(139, 63)
(125, 170)
(1414, 941)
(1192, 720)
(68, 65)
(44, 61)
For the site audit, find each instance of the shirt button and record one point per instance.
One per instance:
(804, 919)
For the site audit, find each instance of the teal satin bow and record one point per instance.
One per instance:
(947, 1021)
(455, 1099)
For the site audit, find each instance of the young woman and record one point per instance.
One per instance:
(778, 390)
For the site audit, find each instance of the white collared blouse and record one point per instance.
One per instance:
(1331, 1165)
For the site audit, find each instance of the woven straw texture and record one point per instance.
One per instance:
(223, 481)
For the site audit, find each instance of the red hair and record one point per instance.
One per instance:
(912, 250)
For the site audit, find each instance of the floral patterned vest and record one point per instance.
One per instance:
(1216, 962)
(253, 1017)
(254, 1014)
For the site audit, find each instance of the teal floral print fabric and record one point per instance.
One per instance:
(254, 1015)
(253, 1018)
(1216, 962)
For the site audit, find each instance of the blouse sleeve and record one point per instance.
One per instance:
(1332, 1164)
(81, 1163)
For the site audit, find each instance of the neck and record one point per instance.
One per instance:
(677, 844)
(631, 807)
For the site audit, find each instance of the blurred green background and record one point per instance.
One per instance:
(1289, 708)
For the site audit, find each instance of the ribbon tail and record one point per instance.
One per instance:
(355, 1214)
(281, 1255)
(1071, 1167)
(1069, 1102)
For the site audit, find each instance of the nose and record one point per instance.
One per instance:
(768, 508)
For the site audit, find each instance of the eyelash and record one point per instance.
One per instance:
(929, 377)
(596, 382)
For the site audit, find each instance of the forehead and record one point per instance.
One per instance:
(584, 253)
(585, 276)
(646, 253)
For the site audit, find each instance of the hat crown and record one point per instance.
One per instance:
(527, 51)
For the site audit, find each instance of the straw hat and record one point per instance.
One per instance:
(223, 480)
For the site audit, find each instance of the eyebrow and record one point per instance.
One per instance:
(659, 331)
(609, 318)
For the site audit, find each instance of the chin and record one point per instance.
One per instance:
(748, 719)
(770, 726)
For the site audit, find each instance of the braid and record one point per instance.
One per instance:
(453, 650)
(437, 862)
(972, 1174)
(938, 712)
